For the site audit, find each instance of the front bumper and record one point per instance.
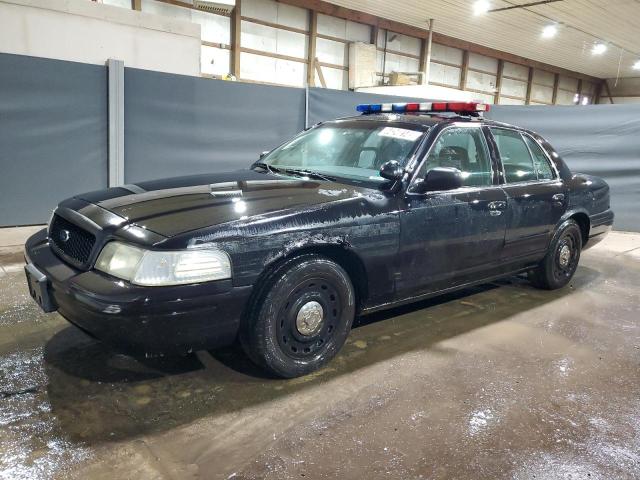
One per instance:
(142, 320)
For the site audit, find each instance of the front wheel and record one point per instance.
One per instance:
(560, 263)
(300, 317)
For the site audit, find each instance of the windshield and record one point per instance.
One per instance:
(354, 150)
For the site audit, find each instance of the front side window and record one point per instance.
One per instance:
(464, 149)
(515, 156)
(540, 160)
(355, 149)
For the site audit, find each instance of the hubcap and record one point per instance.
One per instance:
(309, 318)
(564, 256)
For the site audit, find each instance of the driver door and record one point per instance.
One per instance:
(452, 237)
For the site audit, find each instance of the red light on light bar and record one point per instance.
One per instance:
(412, 107)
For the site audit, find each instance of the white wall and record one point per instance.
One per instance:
(82, 31)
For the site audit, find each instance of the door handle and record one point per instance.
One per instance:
(497, 205)
(558, 199)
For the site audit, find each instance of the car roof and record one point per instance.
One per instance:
(426, 120)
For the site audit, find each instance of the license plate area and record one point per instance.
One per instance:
(38, 285)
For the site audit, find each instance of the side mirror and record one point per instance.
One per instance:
(263, 154)
(391, 170)
(441, 178)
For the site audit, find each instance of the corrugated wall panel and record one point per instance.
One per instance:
(53, 135)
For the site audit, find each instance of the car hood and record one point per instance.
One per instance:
(177, 205)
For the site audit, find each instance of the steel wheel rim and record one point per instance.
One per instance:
(319, 297)
(566, 255)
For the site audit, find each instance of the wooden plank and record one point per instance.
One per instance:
(465, 70)
(401, 54)
(556, 84)
(397, 27)
(273, 55)
(333, 39)
(136, 5)
(274, 25)
(529, 86)
(223, 46)
(478, 70)
(448, 64)
(496, 99)
(333, 65)
(236, 29)
(320, 74)
(311, 50)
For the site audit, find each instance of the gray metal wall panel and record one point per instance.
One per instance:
(178, 125)
(602, 140)
(53, 135)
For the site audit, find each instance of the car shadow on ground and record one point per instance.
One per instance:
(98, 395)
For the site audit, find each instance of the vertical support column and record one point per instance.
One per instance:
(425, 55)
(236, 28)
(306, 107)
(116, 122)
(529, 87)
(374, 35)
(311, 51)
(496, 98)
(465, 70)
(556, 85)
(599, 89)
(579, 92)
(136, 5)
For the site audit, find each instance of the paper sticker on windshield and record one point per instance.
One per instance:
(400, 133)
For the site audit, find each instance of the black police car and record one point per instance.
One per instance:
(351, 216)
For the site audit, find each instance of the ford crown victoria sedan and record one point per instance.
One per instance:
(355, 215)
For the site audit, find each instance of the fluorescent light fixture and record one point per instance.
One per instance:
(599, 49)
(636, 66)
(481, 6)
(549, 31)
(576, 98)
(585, 100)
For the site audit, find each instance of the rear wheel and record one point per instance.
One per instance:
(300, 317)
(560, 263)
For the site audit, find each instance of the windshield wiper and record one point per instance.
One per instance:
(308, 173)
(266, 166)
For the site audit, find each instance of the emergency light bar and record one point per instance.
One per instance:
(456, 107)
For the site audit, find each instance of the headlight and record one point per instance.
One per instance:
(155, 268)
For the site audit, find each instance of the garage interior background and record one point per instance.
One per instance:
(174, 119)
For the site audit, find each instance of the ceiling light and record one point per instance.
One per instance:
(481, 6)
(636, 66)
(549, 31)
(599, 49)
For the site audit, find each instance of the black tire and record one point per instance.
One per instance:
(560, 263)
(281, 339)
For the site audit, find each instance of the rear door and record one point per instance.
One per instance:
(535, 193)
(450, 237)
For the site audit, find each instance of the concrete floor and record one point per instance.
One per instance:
(502, 381)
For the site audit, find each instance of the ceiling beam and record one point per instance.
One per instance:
(524, 5)
(330, 9)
